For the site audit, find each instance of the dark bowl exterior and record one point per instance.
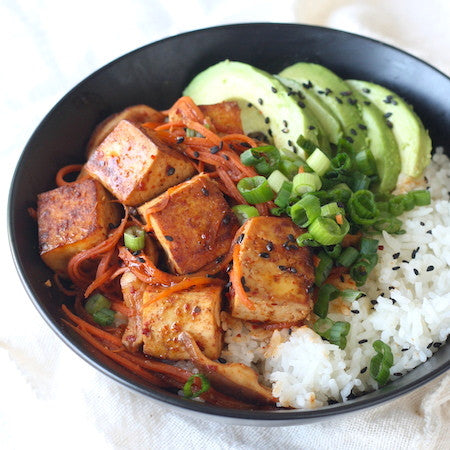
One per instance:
(156, 75)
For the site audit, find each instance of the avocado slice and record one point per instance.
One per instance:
(321, 111)
(336, 93)
(382, 144)
(231, 80)
(413, 141)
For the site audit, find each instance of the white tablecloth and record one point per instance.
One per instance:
(48, 395)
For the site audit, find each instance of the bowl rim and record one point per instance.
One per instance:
(242, 417)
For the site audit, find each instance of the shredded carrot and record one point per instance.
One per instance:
(236, 280)
(59, 285)
(121, 307)
(182, 286)
(301, 169)
(240, 138)
(339, 219)
(60, 181)
(32, 213)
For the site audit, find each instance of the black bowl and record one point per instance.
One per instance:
(155, 75)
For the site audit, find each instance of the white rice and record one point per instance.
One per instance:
(407, 308)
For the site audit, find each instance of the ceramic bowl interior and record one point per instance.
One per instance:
(155, 75)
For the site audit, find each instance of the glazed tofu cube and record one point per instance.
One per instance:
(225, 116)
(195, 225)
(135, 165)
(275, 274)
(196, 311)
(73, 218)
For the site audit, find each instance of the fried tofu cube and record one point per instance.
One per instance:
(196, 311)
(225, 117)
(135, 165)
(274, 274)
(73, 218)
(194, 225)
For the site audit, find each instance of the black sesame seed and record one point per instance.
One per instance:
(290, 331)
(393, 301)
(292, 270)
(285, 123)
(136, 252)
(170, 171)
(267, 120)
(225, 157)
(245, 144)
(222, 360)
(398, 374)
(429, 345)
(394, 102)
(328, 91)
(364, 369)
(301, 104)
(290, 143)
(312, 127)
(366, 90)
(391, 287)
(219, 259)
(382, 294)
(422, 224)
(346, 93)
(260, 101)
(374, 302)
(352, 101)
(404, 349)
(308, 85)
(429, 232)
(396, 255)
(291, 92)
(141, 260)
(285, 130)
(321, 92)
(362, 341)
(290, 237)
(240, 238)
(180, 139)
(229, 267)
(367, 103)
(227, 219)
(355, 311)
(416, 272)
(332, 401)
(243, 280)
(269, 131)
(414, 252)
(214, 149)
(208, 275)
(437, 344)
(339, 100)
(169, 238)
(269, 246)
(227, 285)
(264, 255)
(341, 277)
(205, 192)
(349, 139)
(196, 154)
(389, 124)
(353, 131)
(361, 126)
(282, 268)
(396, 268)
(112, 226)
(249, 105)
(274, 89)
(246, 288)
(387, 115)
(430, 268)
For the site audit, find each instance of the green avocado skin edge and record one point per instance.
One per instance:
(414, 143)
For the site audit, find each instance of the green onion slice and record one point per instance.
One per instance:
(255, 190)
(381, 362)
(327, 292)
(331, 210)
(359, 181)
(104, 317)
(388, 223)
(333, 251)
(244, 212)
(334, 332)
(268, 159)
(284, 195)
(134, 238)
(276, 180)
(323, 269)
(307, 145)
(368, 246)
(319, 162)
(421, 198)
(362, 267)
(305, 211)
(306, 182)
(341, 162)
(362, 207)
(366, 162)
(327, 232)
(95, 303)
(350, 295)
(187, 388)
(347, 257)
(396, 205)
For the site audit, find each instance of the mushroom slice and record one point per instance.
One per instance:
(234, 379)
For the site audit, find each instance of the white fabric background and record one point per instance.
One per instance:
(48, 395)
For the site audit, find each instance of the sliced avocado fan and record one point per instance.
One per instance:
(381, 143)
(280, 112)
(412, 138)
(336, 93)
(321, 111)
